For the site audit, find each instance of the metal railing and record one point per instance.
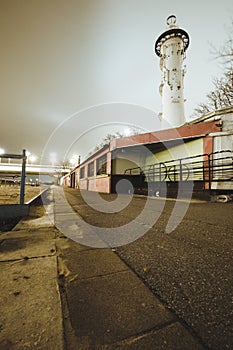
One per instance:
(217, 166)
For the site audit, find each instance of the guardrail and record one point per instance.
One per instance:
(208, 168)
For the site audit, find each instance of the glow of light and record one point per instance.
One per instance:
(53, 158)
(127, 132)
(73, 161)
(32, 158)
(2, 151)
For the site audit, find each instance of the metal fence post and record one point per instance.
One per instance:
(23, 175)
(209, 173)
(181, 176)
(160, 172)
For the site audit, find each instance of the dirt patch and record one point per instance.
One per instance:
(11, 194)
(8, 225)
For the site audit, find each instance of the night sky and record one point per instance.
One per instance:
(95, 61)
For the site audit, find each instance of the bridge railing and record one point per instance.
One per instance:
(39, 168)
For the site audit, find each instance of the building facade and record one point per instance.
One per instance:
(200, 151)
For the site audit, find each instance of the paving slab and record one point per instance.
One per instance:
(110, 308)
(27, 244)
(89, 263)
(172, 337)
(30, 315)
(40, 222)
(75, 228)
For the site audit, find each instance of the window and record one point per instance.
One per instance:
(81, 174)
(91, 169)
(101, 165)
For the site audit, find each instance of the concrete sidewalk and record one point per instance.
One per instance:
(31, 314)
(58, 294)
(109, 307)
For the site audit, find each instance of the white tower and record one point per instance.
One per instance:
(170, 47)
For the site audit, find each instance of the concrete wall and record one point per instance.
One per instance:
(187, 149)
(223, 162)
(12, 211)
(227, 122)
(120, 165)
(223, 142)
(224, 139)
(100, 183)
(66, 180)
(83, 184)
(127, 158)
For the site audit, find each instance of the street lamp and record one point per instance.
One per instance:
(127, 132)
(32, 158)
(2, 151)
(53, 158)
(74, 160)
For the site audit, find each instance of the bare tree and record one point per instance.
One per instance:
(109, 137)
(222, 94)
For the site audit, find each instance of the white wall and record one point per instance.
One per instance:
(184, 150)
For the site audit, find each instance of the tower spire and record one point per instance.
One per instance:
(170, 47)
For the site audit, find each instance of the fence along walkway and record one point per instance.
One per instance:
(207, 168)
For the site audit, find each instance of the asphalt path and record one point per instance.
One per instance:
(190, 269)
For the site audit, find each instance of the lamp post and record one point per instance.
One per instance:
(32, 158)
(23, 175)
(2, 151)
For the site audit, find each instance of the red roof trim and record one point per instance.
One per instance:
(182, 132)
